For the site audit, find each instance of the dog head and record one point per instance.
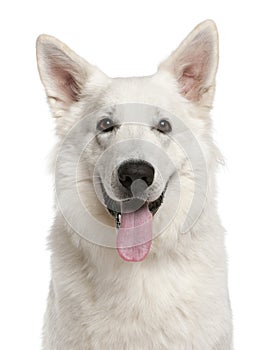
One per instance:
(132, 152)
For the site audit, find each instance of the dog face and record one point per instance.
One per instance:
(133, 153)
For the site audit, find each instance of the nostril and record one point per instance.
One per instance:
(126, 181)
(148, 180)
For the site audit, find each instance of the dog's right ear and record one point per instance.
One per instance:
(63, 73)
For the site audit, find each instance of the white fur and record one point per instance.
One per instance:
(177, 298)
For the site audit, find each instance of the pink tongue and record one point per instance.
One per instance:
(134, 237)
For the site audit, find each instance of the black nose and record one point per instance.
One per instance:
(133, 170)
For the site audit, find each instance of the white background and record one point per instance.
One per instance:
(125, 38)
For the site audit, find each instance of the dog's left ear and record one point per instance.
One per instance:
(194, 63)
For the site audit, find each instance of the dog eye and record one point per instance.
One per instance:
(164, 126)
(105, 125)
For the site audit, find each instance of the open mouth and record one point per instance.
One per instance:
(134, 219)
(114, 207)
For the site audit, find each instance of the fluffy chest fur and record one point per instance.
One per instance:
(177, 301)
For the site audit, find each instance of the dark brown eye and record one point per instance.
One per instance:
(105, 125)
(164, 126)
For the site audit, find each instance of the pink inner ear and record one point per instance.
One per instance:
(187, 82)
(67, 87)
(194, 74)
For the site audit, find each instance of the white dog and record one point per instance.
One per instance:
(138, 256)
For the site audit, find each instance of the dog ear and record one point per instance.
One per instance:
(194, 63)
(63, 73)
